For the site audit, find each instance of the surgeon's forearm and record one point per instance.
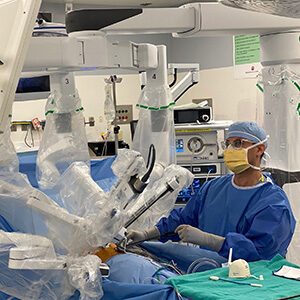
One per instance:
(152, 233)
(212, 241)
(243, 247)
(170, 223)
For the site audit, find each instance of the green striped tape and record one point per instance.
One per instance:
(260, 87)
(155, 108)
(296, 84)
(52, 111)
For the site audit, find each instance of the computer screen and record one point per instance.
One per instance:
(33, 88)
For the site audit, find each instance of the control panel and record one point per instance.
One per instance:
(202, 172)
(124, 114)
(197, 151)
(196, 145)
(187, 193)
(206, 169)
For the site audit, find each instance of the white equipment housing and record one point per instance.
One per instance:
(202, 19)
(82, 50)
(17, 19)
(280, 76)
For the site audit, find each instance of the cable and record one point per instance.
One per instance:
(171, 265)
(25, 139)
(192, 159)
(149, 154)
(208, 175)
(152, 154)
(174, 78)
(200, 262)
(138, 185)
(26, 136)
(32, 139)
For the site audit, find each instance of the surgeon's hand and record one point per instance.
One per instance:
(190, 234)
(138, 236)
(135, 236)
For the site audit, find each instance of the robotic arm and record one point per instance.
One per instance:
(17, 19)
(87, 47)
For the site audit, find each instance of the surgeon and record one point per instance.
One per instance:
(244, 211)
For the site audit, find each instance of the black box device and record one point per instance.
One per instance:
(194, 115)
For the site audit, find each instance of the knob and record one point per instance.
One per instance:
(205, 118)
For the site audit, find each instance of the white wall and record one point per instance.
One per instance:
(26, 111)
(233, 99)
(91, 92)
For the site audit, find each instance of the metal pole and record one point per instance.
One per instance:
(113, 80)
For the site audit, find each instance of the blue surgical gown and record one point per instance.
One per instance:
(257, 222)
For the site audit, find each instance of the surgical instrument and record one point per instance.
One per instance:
(216, 278)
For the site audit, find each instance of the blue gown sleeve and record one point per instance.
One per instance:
(187, 215)
(269, 233)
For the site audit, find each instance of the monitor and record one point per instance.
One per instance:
(33, 88)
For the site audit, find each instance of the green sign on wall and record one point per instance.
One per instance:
(246, 49)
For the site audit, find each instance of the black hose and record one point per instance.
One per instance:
(174, 79)
(152, 156)
(149, 154)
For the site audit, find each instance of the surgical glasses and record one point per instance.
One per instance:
(235, 144)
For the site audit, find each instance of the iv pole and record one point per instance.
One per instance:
(114, 80)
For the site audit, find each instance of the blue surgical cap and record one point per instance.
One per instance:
(247, 130)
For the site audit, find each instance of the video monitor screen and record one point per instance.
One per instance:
(33, 85)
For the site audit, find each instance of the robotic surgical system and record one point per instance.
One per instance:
(73, 231)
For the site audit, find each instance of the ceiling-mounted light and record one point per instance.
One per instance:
(287, 8)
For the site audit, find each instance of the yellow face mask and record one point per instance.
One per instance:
(236, 160)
